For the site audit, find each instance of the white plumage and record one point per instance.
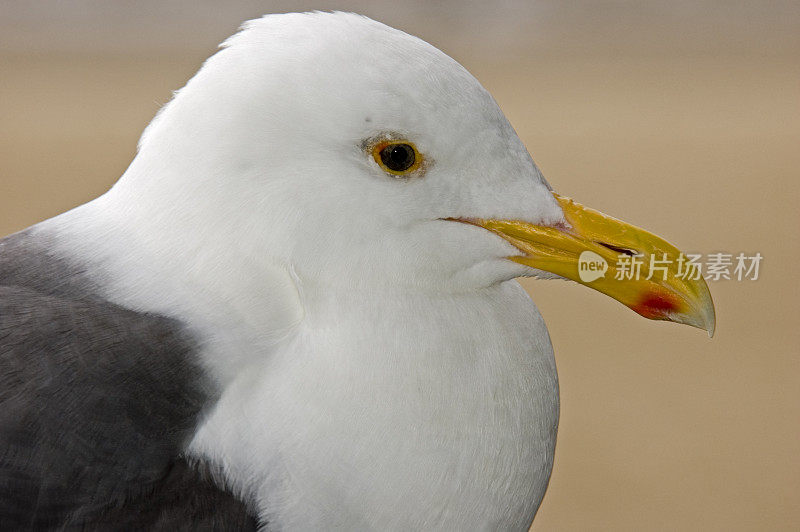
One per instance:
(379, 367)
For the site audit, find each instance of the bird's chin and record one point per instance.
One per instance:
(535, 273)
(491, 272)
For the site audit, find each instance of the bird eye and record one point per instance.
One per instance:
(396, 157)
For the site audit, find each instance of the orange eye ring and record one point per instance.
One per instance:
(397, 157)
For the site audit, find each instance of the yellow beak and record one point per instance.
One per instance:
(637, 268)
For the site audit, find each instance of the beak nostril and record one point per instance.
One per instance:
(623, 251)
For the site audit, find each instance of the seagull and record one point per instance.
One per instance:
(297, 308)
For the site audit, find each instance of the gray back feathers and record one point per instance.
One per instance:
(96, 404)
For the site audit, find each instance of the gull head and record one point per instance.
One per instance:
(362, 157)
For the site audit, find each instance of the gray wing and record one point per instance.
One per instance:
(96, 403)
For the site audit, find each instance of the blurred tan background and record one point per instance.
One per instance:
(682, 117)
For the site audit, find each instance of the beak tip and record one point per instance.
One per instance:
(709, 314)
(706, 315)
(710, 320)
(696, 310)
(709, 327)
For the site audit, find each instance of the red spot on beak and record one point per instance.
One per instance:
(655, 305)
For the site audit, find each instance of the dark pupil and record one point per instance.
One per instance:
(398, 157)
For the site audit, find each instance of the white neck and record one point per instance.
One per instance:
(387, 412)
(375, 409)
